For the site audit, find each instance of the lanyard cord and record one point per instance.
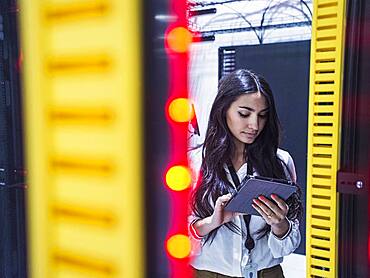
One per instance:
(249, 242)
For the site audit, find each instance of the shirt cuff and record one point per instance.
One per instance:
(287, 233)
(193, 231)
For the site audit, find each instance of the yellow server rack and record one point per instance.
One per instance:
(324, 136)
(83, 137)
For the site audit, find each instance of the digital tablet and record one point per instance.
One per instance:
(253, 187)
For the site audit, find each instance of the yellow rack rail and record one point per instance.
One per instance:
(324, 136)
(82, 76)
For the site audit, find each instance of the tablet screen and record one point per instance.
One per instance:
(251, 188)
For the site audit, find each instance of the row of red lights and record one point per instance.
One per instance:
(179, 112)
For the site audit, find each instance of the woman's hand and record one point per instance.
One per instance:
(220, 216)
(274, 213)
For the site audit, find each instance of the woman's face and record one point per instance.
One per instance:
(246, 117)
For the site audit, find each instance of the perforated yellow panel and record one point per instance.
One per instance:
(83, 137)
(324, 136)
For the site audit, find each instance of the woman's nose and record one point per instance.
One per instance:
(253, 123)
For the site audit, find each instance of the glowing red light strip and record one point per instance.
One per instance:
(178, 87)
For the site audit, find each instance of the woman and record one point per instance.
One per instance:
(242, 138)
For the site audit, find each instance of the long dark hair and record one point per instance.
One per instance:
(219, 145)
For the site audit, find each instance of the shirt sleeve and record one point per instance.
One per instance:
(287, 244)
(291, 167)
(288, 165)
(196, 242)
(191, 220)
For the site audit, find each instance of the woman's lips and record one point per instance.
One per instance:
(249, 135)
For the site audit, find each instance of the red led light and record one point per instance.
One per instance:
(179, 39)
(179, 112)
(178, 178)
(178, 246)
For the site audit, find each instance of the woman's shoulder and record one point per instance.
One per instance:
(287, 159)
(284, 155)
(195, 155)
(195, 160)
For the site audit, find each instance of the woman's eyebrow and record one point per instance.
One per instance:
(253, 110)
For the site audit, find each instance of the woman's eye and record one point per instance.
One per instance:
(243, 115)
(263, 116)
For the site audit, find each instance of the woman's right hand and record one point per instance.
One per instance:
(220, 216)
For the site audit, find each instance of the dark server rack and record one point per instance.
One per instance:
(353, 177)
(12, 186)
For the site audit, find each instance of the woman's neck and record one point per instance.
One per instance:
(238, 158)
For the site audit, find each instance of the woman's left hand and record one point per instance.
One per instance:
(274, 213)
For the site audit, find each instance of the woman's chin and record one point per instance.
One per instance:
(248, 141)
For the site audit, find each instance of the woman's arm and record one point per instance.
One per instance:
(285, 243)
(220, 216)
(284, 246)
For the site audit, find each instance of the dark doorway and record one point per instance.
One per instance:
(286, 67)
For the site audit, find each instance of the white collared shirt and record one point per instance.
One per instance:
(227, 253)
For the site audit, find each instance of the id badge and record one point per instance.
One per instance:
(250, 270)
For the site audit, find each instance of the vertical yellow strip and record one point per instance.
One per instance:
(35, 136)
(324, 136)
(82, 85)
